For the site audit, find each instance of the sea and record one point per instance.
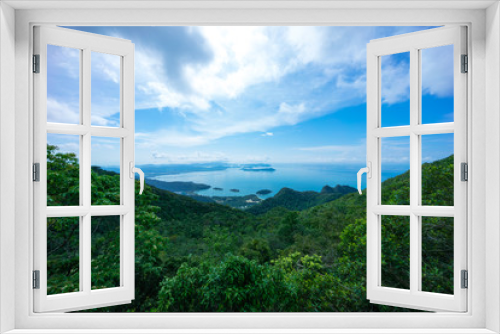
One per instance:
(297, 177)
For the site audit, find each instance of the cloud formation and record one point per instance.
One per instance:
(228, 81)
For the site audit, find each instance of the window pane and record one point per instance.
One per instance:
(63, 84)
(105, 89)
(106, 163)
(395, 89)
(437, 169)
(63, 170)
(105, 252)
(395, 168)
(63, 261)
(396, 252)
(437, 84)
(437, 254)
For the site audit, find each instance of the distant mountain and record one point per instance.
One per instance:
(338, 189)
(300, 200)
(178, 186)
(174, 169)
(258, 169)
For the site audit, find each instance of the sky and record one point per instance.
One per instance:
(251, 94)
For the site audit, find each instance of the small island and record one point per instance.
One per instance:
(178, 186)
(264, 192)
(234, 190)
(218, 189)
(258, 169)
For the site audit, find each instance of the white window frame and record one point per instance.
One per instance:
(86, 43)
(414, 43)
(483, 101)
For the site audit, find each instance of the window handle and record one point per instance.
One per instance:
(368, 171)
(134, 170)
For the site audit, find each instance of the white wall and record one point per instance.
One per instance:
(492, 164)
(7, 160)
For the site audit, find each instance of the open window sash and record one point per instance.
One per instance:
(415, 297)
(85, 296)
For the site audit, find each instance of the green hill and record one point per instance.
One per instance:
(304, 254)
(300, 200)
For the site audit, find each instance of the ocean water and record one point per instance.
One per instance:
(297, 177)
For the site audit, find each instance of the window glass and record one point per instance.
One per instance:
(437, 254)
(63, 84)
(106, 78)
(396, 252)
(438, 169)
(395, 167)
(437, 84)
(106, 155)
(63, 170)
(63, 255)
(395, 89)
(105, 252)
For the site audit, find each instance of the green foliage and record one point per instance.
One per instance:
(301, 253)
(256, 249)
(63, 235)
(437, 182)
(235, 285)
(63, 178)
(62, 255)
(300, 200)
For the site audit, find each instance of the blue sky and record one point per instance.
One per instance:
(252, 94)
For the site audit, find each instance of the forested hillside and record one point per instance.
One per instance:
(300, 200)
(206, 257)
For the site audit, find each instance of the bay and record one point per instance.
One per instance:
(298, 177)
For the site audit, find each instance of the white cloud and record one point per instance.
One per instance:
(330, 148)
(290, 114)
(245, 57)
(437, 71)
(395, 81)
(60, 112)
(65, 58)
(242, 88)
(106, 67)
(336, 153)
(194, 157)
(169, 137)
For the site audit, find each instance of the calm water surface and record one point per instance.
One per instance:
(297, 177)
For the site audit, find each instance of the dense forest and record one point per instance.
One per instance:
(289, 255)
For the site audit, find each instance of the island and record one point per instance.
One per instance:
(258, 169)
(218, 189)
(264, 192)
(177, 186)
(234, 190)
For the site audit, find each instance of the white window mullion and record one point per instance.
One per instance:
(414, 176)
(86, 180)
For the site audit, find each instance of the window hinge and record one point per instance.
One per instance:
(36, 279)
(36, 63)
(465, 171)
(465, 64)
(465, 279)
(36, 172)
